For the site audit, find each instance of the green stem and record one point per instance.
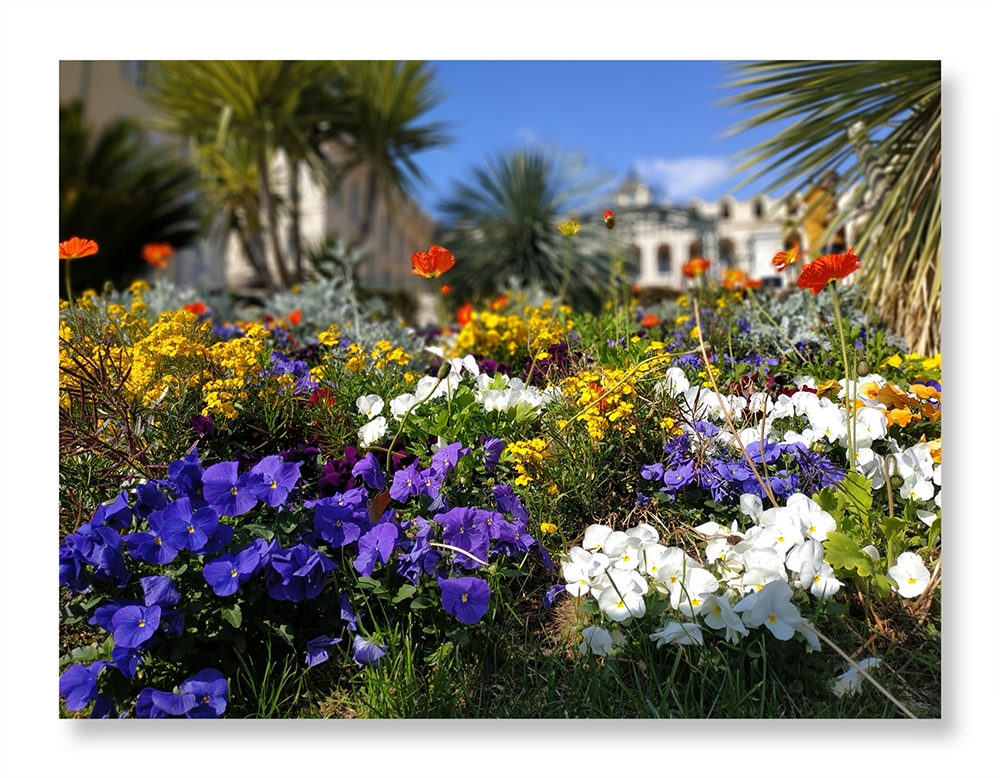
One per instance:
(847, 376)
(69, 295)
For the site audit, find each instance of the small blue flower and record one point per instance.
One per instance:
(317, 649)
(367, 652)
(78, 684)
(466, 598)
(210, 690)
(133, 625)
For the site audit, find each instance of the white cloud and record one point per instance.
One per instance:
(679, 179)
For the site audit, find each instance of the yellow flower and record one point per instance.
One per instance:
(695, 333)
(547, 528)
(894, 361)
(569, 228)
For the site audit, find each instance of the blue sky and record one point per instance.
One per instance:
(662, 118)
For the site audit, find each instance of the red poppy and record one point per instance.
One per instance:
(197, 308)
(431, 264)
(295, 317)
(76, 248)
(609, 220)
(817, 273)
(445, 288)
(695, 267)
(323, 395)
(157, 254)
(464, 314)
(650, 320)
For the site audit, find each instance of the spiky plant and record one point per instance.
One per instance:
(881, 123)
(503, 225)
(122, 191)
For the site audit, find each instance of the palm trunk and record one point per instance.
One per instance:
(296, 198)
(269, 213)
(259, 264)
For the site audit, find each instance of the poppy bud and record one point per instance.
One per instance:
(896, 481)
(108, 287)
(444, 370)
(863, 368)
(609, 220)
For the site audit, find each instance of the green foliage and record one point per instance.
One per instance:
(121, 190)
(897, 172)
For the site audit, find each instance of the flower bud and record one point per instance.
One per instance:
(609, 220)
(444, 370)
(863, 368)
(896, 481)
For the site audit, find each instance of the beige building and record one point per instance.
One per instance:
(112, 89)
(730, 233)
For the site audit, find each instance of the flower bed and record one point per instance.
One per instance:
(250, 507)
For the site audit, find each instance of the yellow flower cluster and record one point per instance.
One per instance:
(384, 353)
(164, 352)
(499, 337)
(240, 361)
(526, 455)
(330, 336)
(605, 398)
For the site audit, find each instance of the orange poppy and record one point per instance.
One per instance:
(650, 320)
(785, 258)
(754, 283)
(76, 248)
(609, 220)
(817, 273)
(295, 317)
(431, 264)
(157, 254)
(197, 308)
(445, 289)
(499, 303)
(464, 314)
(695, 267)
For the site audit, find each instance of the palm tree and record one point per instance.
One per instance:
(121, 191)
(881, 121)
(378, 129)
(271, 106)
(504, 225)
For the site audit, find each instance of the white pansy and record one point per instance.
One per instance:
(850, 681)
(679, 634)
(718, 613)
(370, 405)
(595, 536)
(596, 640)
(373, 431)
(910, 574)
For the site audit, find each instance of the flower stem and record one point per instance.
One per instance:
(847, 378)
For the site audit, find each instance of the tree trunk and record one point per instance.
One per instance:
(296, 197)
(258, 264)
(271, 217)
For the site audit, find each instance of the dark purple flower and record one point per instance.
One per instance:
(117, 515)
(202, 426)
(149, 499)
(466, 598)
(509, 502)
(126, 659)
(347, 614)
(317, 649)
(552, 594)
(342, 518)
(185, 478)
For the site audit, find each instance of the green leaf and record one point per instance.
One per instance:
(843, 553)
(883, 585)
(832, 501)
(260, 531)
(81, 654)
(233, 615)
(458, 635)
(858, 490)
(283, 630)
(367, 582)
(419, 603)
(405, 592)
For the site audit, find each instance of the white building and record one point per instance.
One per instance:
(730, 233)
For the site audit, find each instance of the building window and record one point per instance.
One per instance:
(727, 252)
(663, 260)
(792, 241)
(695, 249)
(724, 211)
(135, 71)
(758, 209)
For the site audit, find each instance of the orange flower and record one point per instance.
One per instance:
(499, 303)
(817, 273)
(695, 267)
(197, 308)
(431, 264)
(650, 320)
(157, 254)
(76, 248)
(733, 279)
(753, 283)
(295, 317)
(609, 220)
(785, 258)
(464, 314)
(445, 289)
